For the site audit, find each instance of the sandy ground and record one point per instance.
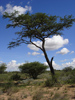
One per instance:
(29, 92)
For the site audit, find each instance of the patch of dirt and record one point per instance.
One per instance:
(29, 91)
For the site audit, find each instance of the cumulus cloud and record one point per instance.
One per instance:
(59, 67)
(34, 53)
(72, 52)
(69, 63)
(63, 51)
(55, 66)
(10, 9)
(13, 66)
(32, 47)
(53, 43)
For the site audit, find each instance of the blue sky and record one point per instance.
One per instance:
(64, 52)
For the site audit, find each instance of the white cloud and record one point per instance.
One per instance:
(69, 63)
(42, 54)
(72, 52)
(63, 60)
(55, 66)
(10, 9)
(1, 9)
(13, 66)
(63, 51)
(53, 43)
(35, 53)
(32, 47)
(29, 53)
(1, 61)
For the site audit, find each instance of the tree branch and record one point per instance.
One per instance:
(36, 45)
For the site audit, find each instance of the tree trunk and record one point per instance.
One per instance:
(49, 62)
(47, 59)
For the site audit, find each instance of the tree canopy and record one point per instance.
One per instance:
(33, 69)
(37, 26)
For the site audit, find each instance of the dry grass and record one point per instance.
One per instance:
(65, 92)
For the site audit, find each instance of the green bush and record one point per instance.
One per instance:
(68, 69)
(49, 82)
(2, 68)
(15, 77)
(33, 69)
(68, 76)
(8, 86)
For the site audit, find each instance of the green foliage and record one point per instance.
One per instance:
(33, 69)
(36, 26)
(67, 75)
(71, 77)
(15, 77)
(8, 86)
(2, 68)
(50, 82)
(67, 69)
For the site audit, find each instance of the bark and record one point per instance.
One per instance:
(47, 59)
(49, 63)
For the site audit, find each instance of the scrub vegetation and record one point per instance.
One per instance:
(21, 86)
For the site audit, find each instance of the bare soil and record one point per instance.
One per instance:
(39, 92)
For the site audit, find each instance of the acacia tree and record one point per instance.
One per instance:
(33, 69)
(37, 26)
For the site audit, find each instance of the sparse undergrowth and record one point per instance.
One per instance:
(43, 88)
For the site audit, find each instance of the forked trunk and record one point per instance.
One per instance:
(49, 62)
(47, 59)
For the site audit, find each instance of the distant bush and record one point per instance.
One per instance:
(7, 86)
(49, 82)
(33, 69)
(68, 75)
(15, 77)
(67, 69)
(2, 68)
(71, 77)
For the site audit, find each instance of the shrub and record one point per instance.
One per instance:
(68, 69)
(15, 77)
(38, 95)
(49, 82)
(33, 69)
(8, 86)
(2, 68)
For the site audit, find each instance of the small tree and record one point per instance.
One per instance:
(68, 69)
(37, 26)
(33, 69)
(2, 68)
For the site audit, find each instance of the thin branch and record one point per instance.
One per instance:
(36, 45)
